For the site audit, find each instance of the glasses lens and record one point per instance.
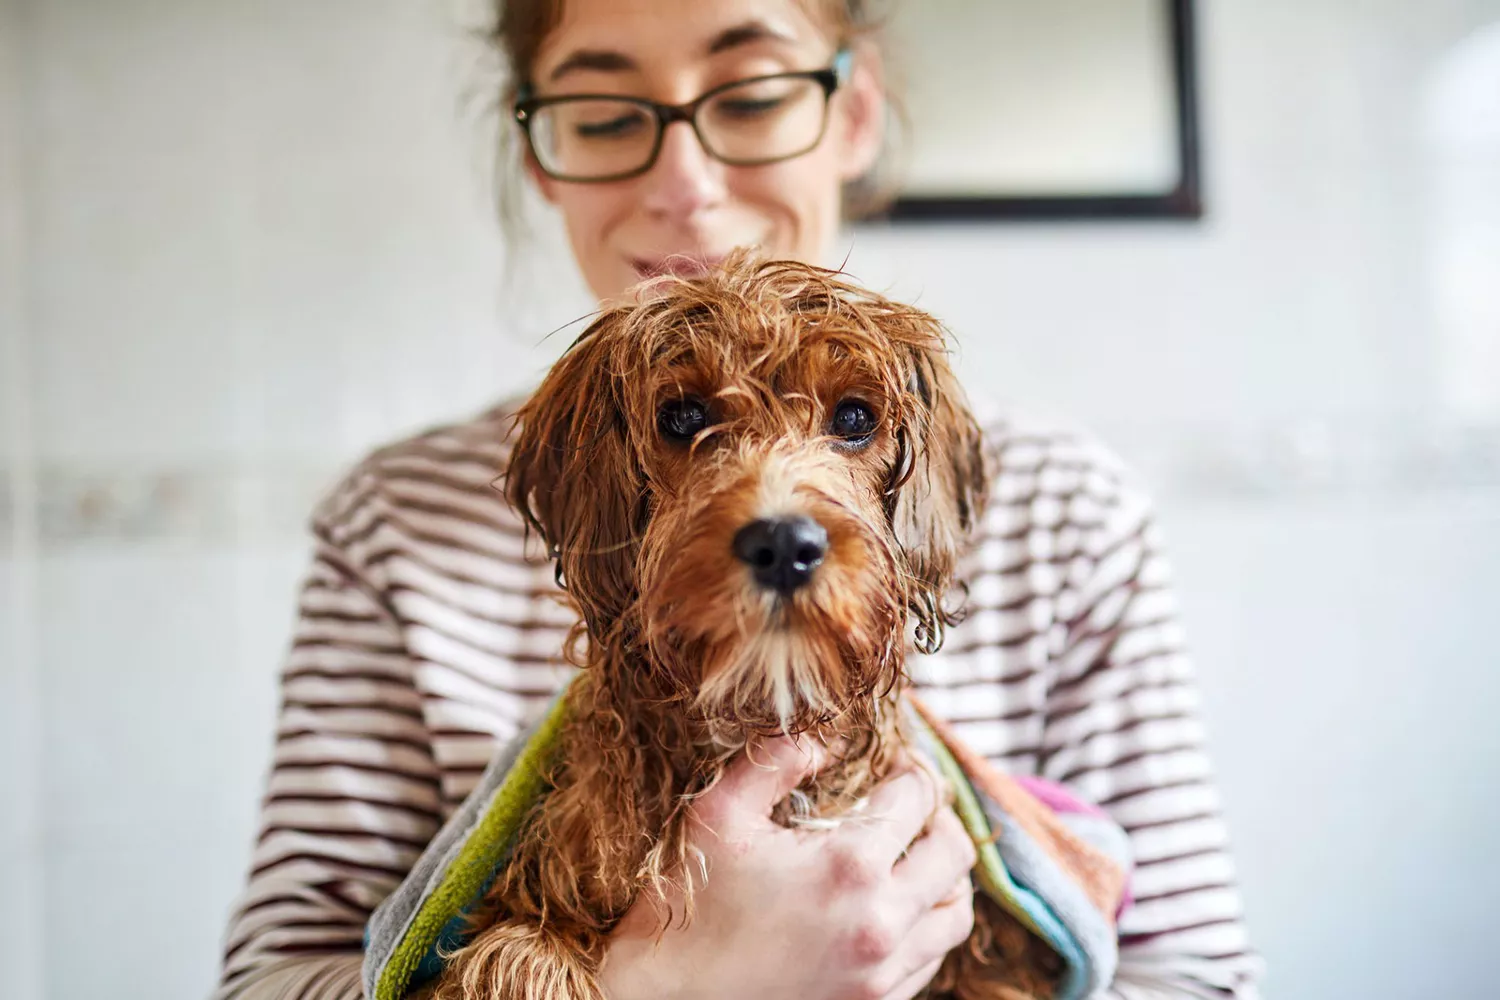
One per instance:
(764, 120)
(594, 137)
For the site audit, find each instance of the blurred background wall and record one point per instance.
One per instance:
(241, 242)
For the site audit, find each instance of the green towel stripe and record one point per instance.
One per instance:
(994, 878)
(484, 848)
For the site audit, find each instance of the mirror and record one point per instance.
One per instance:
(1047, 109)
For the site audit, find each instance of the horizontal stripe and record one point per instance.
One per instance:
(326, 658)
(1136, 940)
(1179, 893)
(349, 786)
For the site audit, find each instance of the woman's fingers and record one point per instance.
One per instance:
(943, 855)
(941, 929)
(761, 777)
(896, 814)
(915, 983)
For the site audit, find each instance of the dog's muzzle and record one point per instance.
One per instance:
(782, 552)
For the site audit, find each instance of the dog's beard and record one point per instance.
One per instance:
(748, 661)
(778, 667)
(791, 673)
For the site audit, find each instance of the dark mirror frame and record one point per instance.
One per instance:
(1183, 202)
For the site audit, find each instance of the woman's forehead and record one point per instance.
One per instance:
(644, 42)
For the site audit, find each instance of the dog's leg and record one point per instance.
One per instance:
(1002, 960)
(516, 960)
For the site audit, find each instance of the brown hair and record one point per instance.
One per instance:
(519, 27)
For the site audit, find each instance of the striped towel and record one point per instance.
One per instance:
(1058, 865)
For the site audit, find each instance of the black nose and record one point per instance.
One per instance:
(782, 552)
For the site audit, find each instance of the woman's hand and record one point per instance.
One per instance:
(816, 914)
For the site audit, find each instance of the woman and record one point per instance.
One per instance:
(426, 634)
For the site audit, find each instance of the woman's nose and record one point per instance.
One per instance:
(684, 180)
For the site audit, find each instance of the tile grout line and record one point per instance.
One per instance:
(15, 181)
(245, 500)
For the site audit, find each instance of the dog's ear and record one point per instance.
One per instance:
(939, 489)
(575, 478)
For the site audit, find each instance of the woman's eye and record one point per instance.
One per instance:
(745, 107)
(682, 420)
(853, 421)
(611, 128)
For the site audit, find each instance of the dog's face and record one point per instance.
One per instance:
(755, 478)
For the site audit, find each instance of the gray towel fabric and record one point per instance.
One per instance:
(392, 919)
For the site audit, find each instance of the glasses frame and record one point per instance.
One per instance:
(830, 78)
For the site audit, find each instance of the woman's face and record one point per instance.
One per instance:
(688, 203)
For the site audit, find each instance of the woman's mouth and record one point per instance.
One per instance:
(678, 265)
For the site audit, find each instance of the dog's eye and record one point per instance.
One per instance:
(682, 419)
(853, 421)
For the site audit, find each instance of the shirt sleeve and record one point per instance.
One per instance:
(352, 799)
(1121, 727)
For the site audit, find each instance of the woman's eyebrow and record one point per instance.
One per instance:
(611, 61)
(598, 60)
(747, 33)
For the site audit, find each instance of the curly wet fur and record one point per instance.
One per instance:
(684, 663)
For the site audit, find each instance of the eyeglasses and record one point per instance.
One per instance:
(605, 137)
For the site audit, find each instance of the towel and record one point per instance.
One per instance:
(1060, 866)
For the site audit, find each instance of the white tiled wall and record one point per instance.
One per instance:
(20, 817)
(256, 240)
(154, 691)
(1349, 686)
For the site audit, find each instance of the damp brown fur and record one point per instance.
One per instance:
(685, 661)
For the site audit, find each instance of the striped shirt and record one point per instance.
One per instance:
(430, 629)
